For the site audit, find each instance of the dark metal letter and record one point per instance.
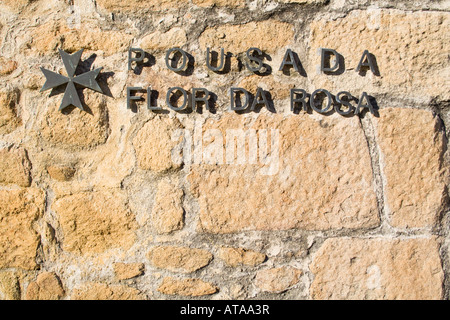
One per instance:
(255, 59)
(130, 97)
(185, 98)
(324, 53)
(289, 55)
(368, 105)
(196, 99)
(260, 98)
(183, 54)
(347, 103)
(367, 62)
(313, 103)
(149, 100)
(139, 58)
(294, 99)
(219, 65)
(247, 98)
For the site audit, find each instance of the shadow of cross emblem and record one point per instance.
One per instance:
(85, 80)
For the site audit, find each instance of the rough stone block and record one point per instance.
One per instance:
(179, 259)
(46, 287)
(167, 211)
(15, 167)
(19, 241)
(412, 145)
(377, 268)
(154, 145)
(93, 222)
(321, 179)
(186, 287)
(239, 256)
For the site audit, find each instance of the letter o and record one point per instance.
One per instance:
(185, 98)
(183, 54)
(313, 103)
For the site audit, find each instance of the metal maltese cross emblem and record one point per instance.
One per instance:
(85, 80)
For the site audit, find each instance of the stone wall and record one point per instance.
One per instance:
(95, 205)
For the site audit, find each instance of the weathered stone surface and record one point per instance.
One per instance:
(61, 173)
(240, 256)
(321, 180)
(220, 3)
(278, 90)
(19, 209)
(179, 259)
(407, 47)
(167, 212)
(9, 286)
(128, 6)
(34, 81)
(186, 287)
(74, 128)
(46, 287)
(412, 146)
(50, 36)
(15, 166)
(9, 120)
(175, 37)
(125, 271)
(304, 1)
(101, 291)
(377, 269)
(7, 66)
(277, 279)
(94, 227)
(266, 35)
(15, 4)
(153, 144)
(161, 79)
(93, 222)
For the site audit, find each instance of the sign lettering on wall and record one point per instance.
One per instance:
(321, 100)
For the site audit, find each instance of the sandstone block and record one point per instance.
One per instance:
(15, 167)
(93, 222)
(33, 81)
(240, 256)
(266, 35)
(179, 259)
(7, 66)
(46, 287)
(125, 271)
(175, 37)
(15, 5)
(412, 146)
(9, 120)
(134, 6)
(76, 128)
(407, 48)
(50, 36)
(277, 89)
(186, 287)
(61, 173)
(220, 3)
(277, 279)
(101, 291)
(318, 178)
(153, 144)
(167, 212)
(19, 209)
(161, 79)
(9, 286)
(304, 1)
(377, 269)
